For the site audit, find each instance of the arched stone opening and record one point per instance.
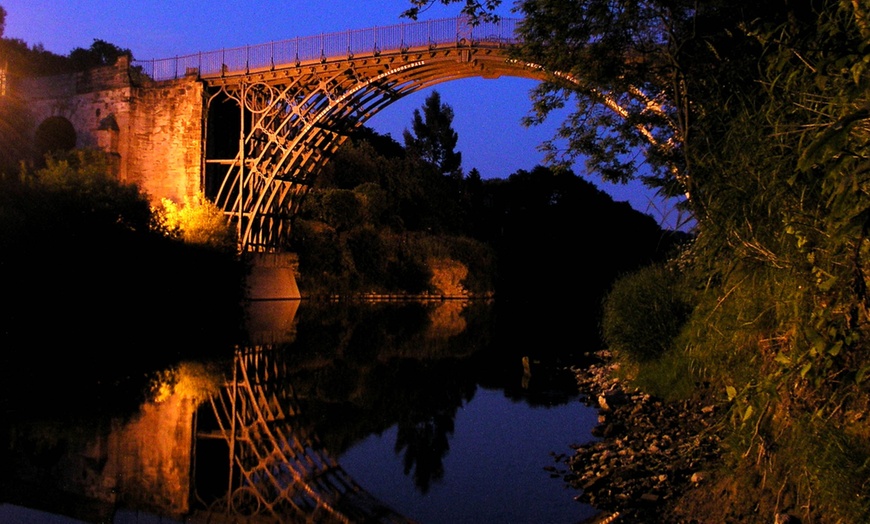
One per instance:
(55, 133)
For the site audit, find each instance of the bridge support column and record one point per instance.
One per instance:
(273, 298)
(273, 277)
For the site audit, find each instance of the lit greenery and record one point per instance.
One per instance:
(192, 380)
(196, 221)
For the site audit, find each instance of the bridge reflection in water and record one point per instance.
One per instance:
(277, 469)
(239, 454)
(244, 438)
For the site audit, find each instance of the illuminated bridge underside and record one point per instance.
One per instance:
(278, 472)
(297, 115)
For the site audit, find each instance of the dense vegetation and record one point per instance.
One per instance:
(388, 218)
(758, 113)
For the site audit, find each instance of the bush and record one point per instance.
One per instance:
(197, 221)
(643, 313)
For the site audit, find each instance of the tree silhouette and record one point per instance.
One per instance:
(433, 139)
(99, 54)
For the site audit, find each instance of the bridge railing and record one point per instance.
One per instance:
(430, 33)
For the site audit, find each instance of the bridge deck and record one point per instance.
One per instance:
(346, 44)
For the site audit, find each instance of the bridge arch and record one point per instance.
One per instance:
(293, 122)
(277, 470)
(55, 133)
(276, 113)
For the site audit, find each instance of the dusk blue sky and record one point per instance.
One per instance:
(487, 112)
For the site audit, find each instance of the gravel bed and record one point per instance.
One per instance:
(647, 454)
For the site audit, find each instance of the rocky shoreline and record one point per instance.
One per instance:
(649, 453)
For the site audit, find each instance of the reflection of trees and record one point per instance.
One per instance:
(425, 445)
(425, 398)
(362, 369)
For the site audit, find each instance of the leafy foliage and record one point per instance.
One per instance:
(87, 199)
(473, 8)
(26, 61)
(196, 221)
(29, 61)
(653, 294)
(101, 53)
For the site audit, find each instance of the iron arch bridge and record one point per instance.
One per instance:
(296, 101)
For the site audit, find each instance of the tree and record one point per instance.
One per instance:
(2, 21)
(433, 139)
(100, 53)
(634, 73)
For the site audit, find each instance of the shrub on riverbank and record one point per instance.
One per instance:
(196, 221)
(644, 311)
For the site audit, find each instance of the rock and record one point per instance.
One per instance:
(698, 477)
(611, 430)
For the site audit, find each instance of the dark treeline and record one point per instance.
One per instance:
(380, 214)
(21, 59)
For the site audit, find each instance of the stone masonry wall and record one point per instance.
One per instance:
(154, 130)
(165, 134)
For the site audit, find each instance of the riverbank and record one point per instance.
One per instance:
(655, 461)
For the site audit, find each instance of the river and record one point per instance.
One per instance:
(429, 412)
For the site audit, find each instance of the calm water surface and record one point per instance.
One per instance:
(443, 412)
(495, 468)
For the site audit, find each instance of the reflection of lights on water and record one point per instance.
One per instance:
(447, 319)
(196, 381)
(164, 391)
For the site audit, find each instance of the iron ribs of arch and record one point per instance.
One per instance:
(278, 469)
(294, 118)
